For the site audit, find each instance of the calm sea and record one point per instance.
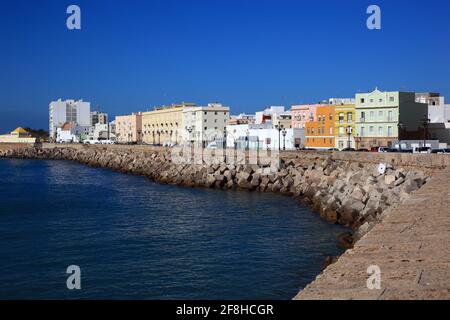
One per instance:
(134, 239)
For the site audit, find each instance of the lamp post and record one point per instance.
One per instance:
(190, 129)
(225, 138)
(279, 128)
(284, 132)
(400, 128)
(247, 138)
(425, 124)
(349, 134)
(357, 141)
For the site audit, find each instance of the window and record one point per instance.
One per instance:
(380, 114)
(391, 99)
(380, 100)
(371, 130)
(389, 116)
(362, 100)
(309, 131)
(380, 131)
(341, 131)
(341, 118)
(319, 118)
(206, 128)
(371, 115)
(205, 120)
(331, 140)
(389, 131)
(215, 113)
(331, 117)
(341, 144)
(371, 100)
(349, 117)
(312, 130)
(331, 130)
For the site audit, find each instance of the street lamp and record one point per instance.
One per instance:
(349, 133)
(247, 137)
(425, 124)
(225, 138)
(284, 132)
(400, 136)
(279, 128)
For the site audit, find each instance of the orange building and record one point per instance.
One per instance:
(319, 134)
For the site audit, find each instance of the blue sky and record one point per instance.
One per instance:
(132, 55)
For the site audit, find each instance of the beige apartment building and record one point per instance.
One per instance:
(129, 128)
(205, 123)
(163, 126)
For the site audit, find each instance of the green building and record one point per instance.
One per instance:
(385, 117)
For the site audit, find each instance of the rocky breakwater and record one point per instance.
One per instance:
(353, 194)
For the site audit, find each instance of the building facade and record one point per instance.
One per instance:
(129, 128)
(205, 123)
(319, 134)
(163, 126)
(302, 114)
(385, 117)
(98, 117)
(71, 111)
(263, 137)
(438, 111)
(19, 135)
(344, 126)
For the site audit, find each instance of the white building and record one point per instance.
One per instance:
(263, 137)
(205, 123)
(102, 132)
(268, 114)
(71, 111)
(341, 101)
(438, 111)
(70, 132)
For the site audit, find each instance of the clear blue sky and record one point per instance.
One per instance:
(132, 55)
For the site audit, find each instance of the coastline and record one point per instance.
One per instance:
(343, 188)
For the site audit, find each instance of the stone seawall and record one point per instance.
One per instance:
(351, 193)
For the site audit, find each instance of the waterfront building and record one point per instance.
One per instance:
(268, 114)
(129, 128)
(384, 117)
(72, 132)
(98, 117)
(242, 119)
(19, 135)
(103, 132)
(75, 112)
(341, 101)
(163, 125)
(205, 123)
(319, 134)
(263, 137)
(438, 111)
(344, 126)
(302, 114)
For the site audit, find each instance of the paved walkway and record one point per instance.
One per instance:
(411, 246)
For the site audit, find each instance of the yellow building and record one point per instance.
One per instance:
(163, 126)
(345, 118)
(20, 135)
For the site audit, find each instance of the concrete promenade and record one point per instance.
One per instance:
(411, 246)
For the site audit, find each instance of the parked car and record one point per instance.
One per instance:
(362, 150)
(91, 142)
(349, 150)
(108, 142)
(422, 150)
(383, 149)
(441, 151)
(392, 150)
